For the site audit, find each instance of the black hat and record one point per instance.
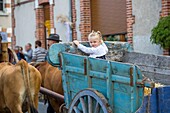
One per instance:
(54, 37)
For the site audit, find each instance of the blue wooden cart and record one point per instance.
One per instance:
(99, 86)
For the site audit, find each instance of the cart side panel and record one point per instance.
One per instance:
(123, 96)
(73, 77)
(116, 81)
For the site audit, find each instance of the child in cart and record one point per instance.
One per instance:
(98, 48)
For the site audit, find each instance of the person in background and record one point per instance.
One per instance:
(19, 54)
(98, 48)
(28, 53)
(20, 49)
(53, 38)
(39, 53)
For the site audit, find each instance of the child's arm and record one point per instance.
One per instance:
(83, 48)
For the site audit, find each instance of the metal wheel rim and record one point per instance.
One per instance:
(94, 95)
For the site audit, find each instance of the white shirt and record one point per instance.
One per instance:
(99, 51)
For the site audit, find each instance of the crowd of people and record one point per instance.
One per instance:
(39, 54)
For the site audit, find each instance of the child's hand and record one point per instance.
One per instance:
(76, 42)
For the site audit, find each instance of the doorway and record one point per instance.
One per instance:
(47, 27)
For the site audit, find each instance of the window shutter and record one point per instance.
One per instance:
(109, 16)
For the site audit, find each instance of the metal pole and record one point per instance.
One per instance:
(50, 93)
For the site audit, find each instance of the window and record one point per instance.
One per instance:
(1, 5)
(109, 16)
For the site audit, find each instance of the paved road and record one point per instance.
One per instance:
(42, 108)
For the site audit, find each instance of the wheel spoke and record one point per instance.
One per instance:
(97, 108)
(90, 104)
(76, 109)
(89, 101)
(83, 105)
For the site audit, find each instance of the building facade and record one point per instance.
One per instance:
(142, 16)
(74, 19)
(5, 20)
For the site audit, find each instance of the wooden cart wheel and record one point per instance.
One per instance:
(89, 101)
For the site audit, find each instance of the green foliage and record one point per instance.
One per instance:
(112, 38)
(161, 33)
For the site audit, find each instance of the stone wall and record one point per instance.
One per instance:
(152, 66)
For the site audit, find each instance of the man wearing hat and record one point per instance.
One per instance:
(54, 38)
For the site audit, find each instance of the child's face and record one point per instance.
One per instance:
(94, 41)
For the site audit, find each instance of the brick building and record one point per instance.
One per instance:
(142, 16)
(165, 12)
(5, 20)
(35, 19)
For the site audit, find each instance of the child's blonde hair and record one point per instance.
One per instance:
(93, 33)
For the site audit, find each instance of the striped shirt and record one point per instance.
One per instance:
(99, 51)
(39, 54)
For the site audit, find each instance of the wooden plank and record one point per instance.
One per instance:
(4, 57)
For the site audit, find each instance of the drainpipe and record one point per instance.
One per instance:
(70, 17)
